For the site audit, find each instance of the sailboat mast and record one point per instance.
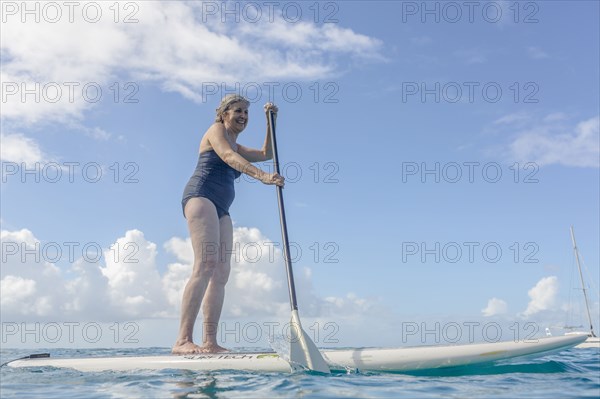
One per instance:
(587, 306)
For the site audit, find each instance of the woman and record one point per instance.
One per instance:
(206, 201)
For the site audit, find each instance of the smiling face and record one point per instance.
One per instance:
(235, 118)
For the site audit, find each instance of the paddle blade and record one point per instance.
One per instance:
(303, 350)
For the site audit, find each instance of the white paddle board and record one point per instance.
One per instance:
(366, 359)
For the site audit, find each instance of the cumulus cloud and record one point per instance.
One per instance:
(495, 307)
(175, 45)
(16, 290)
(257, 285)
(542, 296)
(124, 282)
(134, 283)
(29, 281)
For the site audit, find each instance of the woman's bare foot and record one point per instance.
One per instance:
(212, 348)
(186, 348)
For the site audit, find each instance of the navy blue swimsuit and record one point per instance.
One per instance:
(212, 179)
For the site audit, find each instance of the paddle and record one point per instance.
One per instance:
(302, 350)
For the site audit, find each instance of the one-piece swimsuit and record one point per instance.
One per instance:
(212, 179)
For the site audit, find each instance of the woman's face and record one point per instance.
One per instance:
(236, 117)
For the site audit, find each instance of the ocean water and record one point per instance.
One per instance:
(573, 373)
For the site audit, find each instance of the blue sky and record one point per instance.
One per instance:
(435, 161)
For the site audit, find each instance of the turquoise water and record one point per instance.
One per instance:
(573, 373)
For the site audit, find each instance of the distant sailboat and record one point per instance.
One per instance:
(592, 341)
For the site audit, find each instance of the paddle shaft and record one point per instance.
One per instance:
(284, 234)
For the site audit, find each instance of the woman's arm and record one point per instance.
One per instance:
(254, 155)
(266, 152)
(217, 139)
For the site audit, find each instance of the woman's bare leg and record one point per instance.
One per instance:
(203, 224)
(215, 294)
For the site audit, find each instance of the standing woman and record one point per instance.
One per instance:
(206, 201)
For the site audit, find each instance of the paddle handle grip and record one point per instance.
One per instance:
(284, 234)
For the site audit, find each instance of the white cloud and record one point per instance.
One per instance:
(548, 144)
(495, 307)
(18, 148)
(348, 304)
(542, 296)
(29, 282)
(134, 284)
(22, 254)
(126, 284)
(172, 44)
(511, 119)
(14, 290)
(87, 293)
(257, 281)
(550, 140)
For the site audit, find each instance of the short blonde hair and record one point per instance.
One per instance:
(226, 104)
